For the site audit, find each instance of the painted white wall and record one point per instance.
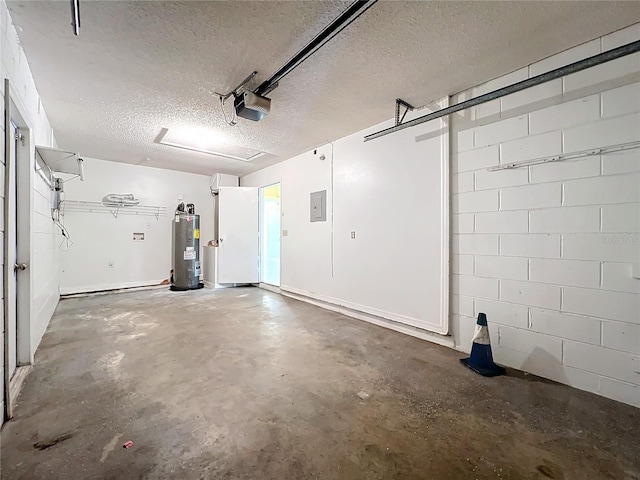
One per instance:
(546, 251)
(100, 238)
(43, 255)
(45, 262)
(391, 194)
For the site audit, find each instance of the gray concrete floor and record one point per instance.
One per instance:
(246, 384)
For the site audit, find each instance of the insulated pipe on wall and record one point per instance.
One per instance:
(516, 87)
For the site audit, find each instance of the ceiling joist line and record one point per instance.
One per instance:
(575, 67)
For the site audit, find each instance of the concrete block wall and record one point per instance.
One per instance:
(547, 251)
(45, 253)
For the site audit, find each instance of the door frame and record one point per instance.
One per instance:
(10, 294)
(25, 177)
(20, 218)
(260, 232)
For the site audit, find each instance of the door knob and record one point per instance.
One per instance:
(20, 266)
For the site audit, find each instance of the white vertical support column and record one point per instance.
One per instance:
(445, 148)
(8, 269)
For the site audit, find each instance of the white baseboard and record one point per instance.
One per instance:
(108, 287)
(217, 286)
(271, 288)
(112, 291)
(17, 382)
(444, 340)
(402, 319)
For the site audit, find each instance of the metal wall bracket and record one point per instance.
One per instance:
(59, 161)
(407, 108)
(236, 91)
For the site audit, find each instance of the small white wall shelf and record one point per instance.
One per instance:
(59, 161)
(99, 207)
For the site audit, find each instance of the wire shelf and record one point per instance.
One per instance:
(115, 210)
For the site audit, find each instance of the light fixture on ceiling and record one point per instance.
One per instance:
(205, 142)
(75, 16)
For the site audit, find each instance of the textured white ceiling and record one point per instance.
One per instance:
(140, 66)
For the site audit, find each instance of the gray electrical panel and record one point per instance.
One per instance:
(318, 207)
(186, 252)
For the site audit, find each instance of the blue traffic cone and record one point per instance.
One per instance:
(481, 359)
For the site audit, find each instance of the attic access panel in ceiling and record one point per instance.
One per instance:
(206, 144)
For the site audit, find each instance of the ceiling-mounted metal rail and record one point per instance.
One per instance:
(516, 87)
(343, 20)
(75, 16)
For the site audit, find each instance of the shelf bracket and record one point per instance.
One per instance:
(59, 161)
(407, 108)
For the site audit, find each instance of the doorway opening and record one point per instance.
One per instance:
(270, 228)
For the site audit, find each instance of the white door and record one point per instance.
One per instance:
(238, 235)
(10, 237)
